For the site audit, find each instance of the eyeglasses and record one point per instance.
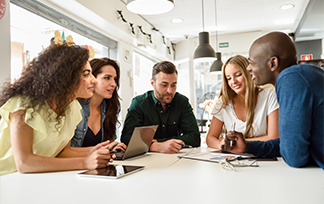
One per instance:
(230, 163)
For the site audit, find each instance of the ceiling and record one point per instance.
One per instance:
(306, 19)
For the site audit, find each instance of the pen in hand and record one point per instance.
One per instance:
(112, 147)
(233, 130)
(185, 146)
(230, 141)
(233, 127)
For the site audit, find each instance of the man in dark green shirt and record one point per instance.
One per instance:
(164, 107)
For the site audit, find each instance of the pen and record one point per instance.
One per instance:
(233, 127)
(233, 130)
(186, 146)
(112, 147)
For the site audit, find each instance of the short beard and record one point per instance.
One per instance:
(159, 97)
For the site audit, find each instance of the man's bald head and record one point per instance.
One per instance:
(269, 55)
(280, 45)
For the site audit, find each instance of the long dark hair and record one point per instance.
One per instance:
(113, 104)
(52, 77)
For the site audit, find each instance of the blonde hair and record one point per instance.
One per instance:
(251, 90)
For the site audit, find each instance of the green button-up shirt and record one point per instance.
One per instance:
(176, 122)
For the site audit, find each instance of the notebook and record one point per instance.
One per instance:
(139, 142)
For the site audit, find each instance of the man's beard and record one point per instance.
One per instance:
(159, 97)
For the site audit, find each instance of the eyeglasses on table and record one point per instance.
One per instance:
(231, 163)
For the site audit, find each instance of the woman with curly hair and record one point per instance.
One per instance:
(39, 114)
(99, 114)
(253, 109)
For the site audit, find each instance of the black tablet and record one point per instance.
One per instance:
(112, 171)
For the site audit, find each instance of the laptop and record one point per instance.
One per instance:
(139, 142)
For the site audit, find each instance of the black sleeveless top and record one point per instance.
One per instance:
(90, 139)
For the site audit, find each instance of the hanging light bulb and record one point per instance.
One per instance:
(204, 51)
(217, 64)
(150, 7)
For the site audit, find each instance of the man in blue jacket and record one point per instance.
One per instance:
(300, 96)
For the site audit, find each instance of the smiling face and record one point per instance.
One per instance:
(165, 87)
(235, 79)
(260, 65)
(86, 86)
(106, 82)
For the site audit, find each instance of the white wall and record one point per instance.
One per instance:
(5, 50)
(238, 44)
(126, 79)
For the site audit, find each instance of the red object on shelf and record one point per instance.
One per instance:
(2, 8)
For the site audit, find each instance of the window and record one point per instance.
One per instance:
(183, 85)
(207, 87)
(142, 74)
(29, 39)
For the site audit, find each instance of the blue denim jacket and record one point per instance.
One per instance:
(82, 127)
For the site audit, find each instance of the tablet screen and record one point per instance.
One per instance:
(112, 171)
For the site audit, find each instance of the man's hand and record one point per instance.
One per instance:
(240, 146)
(170, 146)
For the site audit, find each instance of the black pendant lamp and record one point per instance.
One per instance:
(217, 64)
(204, 49)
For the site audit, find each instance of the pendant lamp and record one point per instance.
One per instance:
(149, 7)
(204, 49)
(217, 64)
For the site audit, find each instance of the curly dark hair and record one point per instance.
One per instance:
(113, 104)
(53, 77)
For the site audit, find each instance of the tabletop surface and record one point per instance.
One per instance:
(169, 179)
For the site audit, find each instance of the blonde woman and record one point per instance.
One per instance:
(254, 110)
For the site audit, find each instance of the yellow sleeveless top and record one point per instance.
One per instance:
(47, 140)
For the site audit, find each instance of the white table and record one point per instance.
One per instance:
(168, 179)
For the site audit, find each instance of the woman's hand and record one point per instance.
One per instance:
(120, 146)
(98, 146)
(99, 156)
